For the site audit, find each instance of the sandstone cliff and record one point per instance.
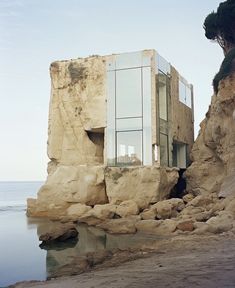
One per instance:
(124, 200)
(213, 154)
(78, 178)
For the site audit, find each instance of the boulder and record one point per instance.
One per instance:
(59, 233)
(127, 208)
(201, 201)
(103, 212)
(168, 208)
(119, 226)
(187, 225)
(190, 211)
(167, 227)
(98, 214)
(148, 214)
(81, 184)
(188, 197)
(144, 185)
(201, 228)
(157, 227)
(67, 185)
(221, 223)
(147, 226)
(163, 209)
(77, 210)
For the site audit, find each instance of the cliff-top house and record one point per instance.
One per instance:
(118, 125)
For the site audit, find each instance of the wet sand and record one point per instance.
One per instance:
(184, 261)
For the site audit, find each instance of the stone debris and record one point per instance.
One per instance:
(59, 233)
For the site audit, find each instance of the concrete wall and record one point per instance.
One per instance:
(182, 118)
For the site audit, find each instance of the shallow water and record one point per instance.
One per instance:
(22, 259)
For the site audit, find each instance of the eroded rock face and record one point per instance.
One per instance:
(144, 185)
(77, 105)
(213, 153)
(66, 186)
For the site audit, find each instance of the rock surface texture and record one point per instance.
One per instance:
(135, 199)
(79, 186)
(213, 154)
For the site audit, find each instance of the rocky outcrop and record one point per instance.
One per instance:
(59, 233)
(125, 200)
(213, 154)
(77, 106)
(78, 179)
(144, 185)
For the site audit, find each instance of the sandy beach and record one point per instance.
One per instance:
(183, 261)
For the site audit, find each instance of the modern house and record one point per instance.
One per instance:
(149, 111)
(120, 129)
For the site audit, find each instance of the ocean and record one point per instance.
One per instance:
(13, 195)
(20, 257)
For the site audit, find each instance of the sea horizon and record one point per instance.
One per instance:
(14, 194)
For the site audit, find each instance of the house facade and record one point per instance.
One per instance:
(149, 112)
(120, 129)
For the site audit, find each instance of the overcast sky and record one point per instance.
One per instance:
(34, 33)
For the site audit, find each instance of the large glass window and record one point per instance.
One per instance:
(129, 148)
(179, 155)
(126, 124)
(162, 81)
(129, 110)
(185, 95)
(128, 93)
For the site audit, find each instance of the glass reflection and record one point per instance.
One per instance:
(126, 124)
(185, 95)
(129, 148)
(188, 97)
(147, 117)
(182, 92)
(162, 64)
(162, 91)
(129, 60)
(128, 93)
(110, 118)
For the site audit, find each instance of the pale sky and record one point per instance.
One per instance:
(34, 33)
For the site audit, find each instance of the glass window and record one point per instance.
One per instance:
(182, 95)
(110, 118)
(164, 159)
(147, 117)
(185, 94)
(162, 80)
(129, 148)
(179, 155)
(162, 64)
(188, 97)
(128, 93)
(129, 60)
(147, 96)
(110, 64)
(129, 124)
